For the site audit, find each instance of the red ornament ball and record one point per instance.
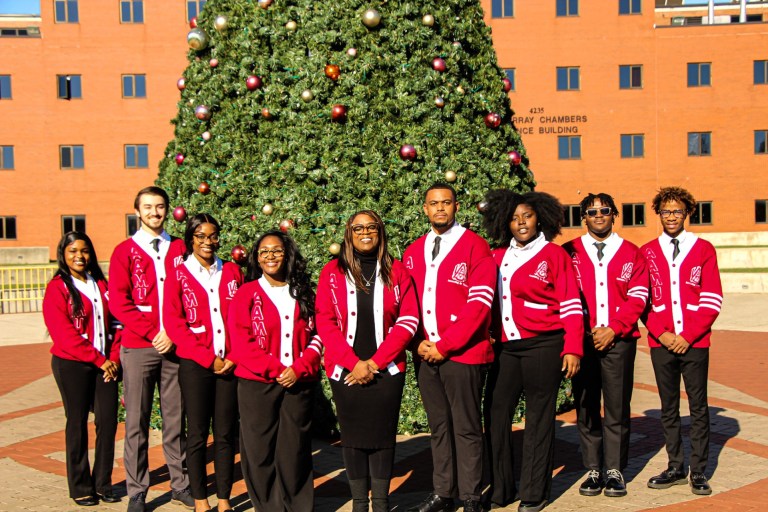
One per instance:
(332, 71)
(338, 113)
(179, 214)
(181, 84)
(204, 188)
(203, 113)
(514, 157)
(507, 84)
(193, 22)
(214, 63)
(239, 254)
(253, 82)
(439, 65)
(492, 120)
(408, 152)
(179, 159)
(286, 224)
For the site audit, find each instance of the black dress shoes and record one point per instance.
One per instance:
(531, 506)
(614, 484)
(109, 497)
(88, 501)
(668, 478)
(699, 484)
(472, 506)
(593, 485)
(434, 503)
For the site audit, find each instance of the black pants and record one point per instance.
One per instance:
(376, 463)
(605, 376)
(82, 387)
(276, 446)
(451, 393)
(693, 366)
(532, 366)
(209, 398)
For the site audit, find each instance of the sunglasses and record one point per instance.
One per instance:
(592, 212)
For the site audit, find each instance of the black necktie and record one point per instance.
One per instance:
(436, 248)
(676, 251)
(156, 244)
(600, 246)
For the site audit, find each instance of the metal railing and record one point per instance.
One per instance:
(22, 287)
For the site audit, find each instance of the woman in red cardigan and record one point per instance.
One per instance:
(85, 365)
(539, 332)
(367, 313)
(198, 294)
(278, 361)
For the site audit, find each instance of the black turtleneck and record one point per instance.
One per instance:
(365, 335)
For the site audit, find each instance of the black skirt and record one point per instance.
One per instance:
(368, 415)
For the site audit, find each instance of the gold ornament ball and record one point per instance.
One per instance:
(291, 26)
(450, 176)
(460, 90)
(334, 249)
(307, 95)
(267, 209)
(220, 23)
(428, 20)
(371, 18)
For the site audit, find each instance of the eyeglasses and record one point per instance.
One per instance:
(213, 238)
(277, 253)
(592, 212)
(677, 213)
(359, 229)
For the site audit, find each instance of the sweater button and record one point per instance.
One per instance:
(602, 305)
(211, 290)
(601, 284)
(674, 302)
(674, 282)
(431, 334)
(674, 264)
(503, 278)
(218, 331)
(350, 336)
(429, 312)
(601, 264)
(352, 313)
(287, 317)
(287, 354)
(158, 258)
(432, 265)
(504, 297)
(679, 322)
(429, 289)
(287, 335)
(512, 335)
(215, 310)
(506, 318)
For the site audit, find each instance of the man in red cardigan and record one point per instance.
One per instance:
(137, 271)
(686, 297)
(455, 278)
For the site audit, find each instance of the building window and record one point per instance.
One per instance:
(569, 147)
(510, 72)
(568, 79)
(567, 7)
(761, 211)
(632, 146)
(6, 158)
(72, 223)
(7, 228)
(761, 142)
(136, 156)
(69, 87)
(71, 157)
(699, 144)
(761, 72)
(699, 74)
(572, 216)
(131, 11)
(702, 214)
(134, 86)
(633, 214)
(194, 7)
(629, 6)
(132, 224)
(5, 87)
(502, 8)
(631, 77)
(66, 11)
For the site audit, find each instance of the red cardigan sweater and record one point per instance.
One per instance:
(544, 297)
(187, 313)
(254, 331)
(336, 312)
(72, 335)
(133, 289)
(464, 287)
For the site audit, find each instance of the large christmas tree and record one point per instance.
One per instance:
(297, 113)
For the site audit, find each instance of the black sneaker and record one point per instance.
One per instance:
(614, 484)
(137, 502)
(593, 485)
(668, 478)
(183, 498)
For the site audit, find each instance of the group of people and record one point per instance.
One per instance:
(240, 353)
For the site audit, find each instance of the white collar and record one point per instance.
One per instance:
(195, 267)
(665, 239)
(143, 237)
(452, 233)
(534, 245)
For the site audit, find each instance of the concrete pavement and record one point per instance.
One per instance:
(32, 440)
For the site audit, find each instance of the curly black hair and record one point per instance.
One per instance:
(501, 205)
(678, 194)
(605, 200)
(63, 271)
(299, 283)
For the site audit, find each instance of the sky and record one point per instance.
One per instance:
(20, 7)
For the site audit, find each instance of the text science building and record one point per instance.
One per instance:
(619, 96)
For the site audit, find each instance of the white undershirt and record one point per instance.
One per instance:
(91, 290)
(210, 279)
(286, 307)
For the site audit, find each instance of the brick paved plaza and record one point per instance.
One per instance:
(32, 433)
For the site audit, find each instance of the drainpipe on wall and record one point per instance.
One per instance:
(743, 11)
(711, 13)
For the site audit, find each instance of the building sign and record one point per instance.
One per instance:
(539, 122)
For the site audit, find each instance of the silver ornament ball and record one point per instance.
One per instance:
(220, 23)
(307, 95)
(371, 18)
(197, 39)
(267, 209)
(352, 52)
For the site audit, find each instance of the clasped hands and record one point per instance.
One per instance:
(427, 350)
(674, 343)
(111, 370)
(363, 373)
